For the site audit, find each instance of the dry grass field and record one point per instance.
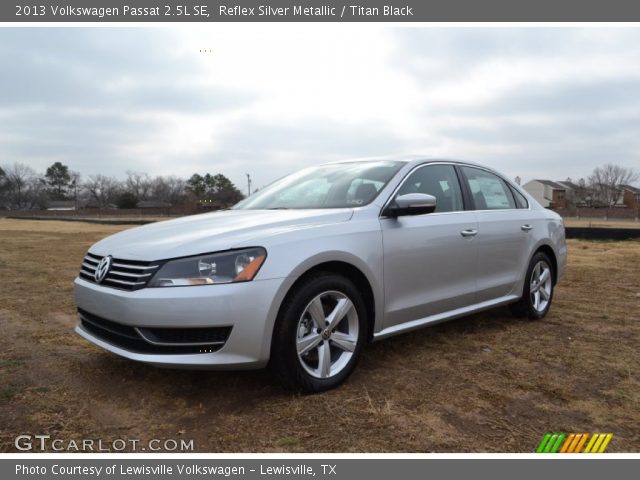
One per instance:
(488, 382)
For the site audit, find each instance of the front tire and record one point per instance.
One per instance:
(319, 334)
(538, 289)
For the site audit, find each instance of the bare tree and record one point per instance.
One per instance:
(138, 184)
(177, 189)
(606, 181)
(101, 189)
(37, 194)
(4, 187)
(20, 180)
(169, 189)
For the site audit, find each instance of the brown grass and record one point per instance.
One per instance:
(482, 383)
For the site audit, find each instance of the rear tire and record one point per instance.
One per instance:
(538, 288)
(319, 333)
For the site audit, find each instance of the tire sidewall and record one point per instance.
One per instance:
(285, 354)
(531, 312)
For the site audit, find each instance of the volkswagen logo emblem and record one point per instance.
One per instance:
(102, 269)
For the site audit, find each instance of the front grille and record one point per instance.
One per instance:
(155, 340)
(123, 274)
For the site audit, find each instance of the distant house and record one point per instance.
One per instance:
(547, 193)
(576, 195)
(93, 204)
(152, 204)
(631, 196)
(61, 205)
(210, 204)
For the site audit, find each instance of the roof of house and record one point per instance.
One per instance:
(61, 204)
(631, 188)
(552, 184)
(571, 185)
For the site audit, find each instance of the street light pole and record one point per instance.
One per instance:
(248, 185)
(75, 193)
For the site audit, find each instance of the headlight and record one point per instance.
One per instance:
(225, 267)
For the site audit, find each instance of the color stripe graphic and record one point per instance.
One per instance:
(559, 442)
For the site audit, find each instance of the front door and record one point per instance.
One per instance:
(430, 260)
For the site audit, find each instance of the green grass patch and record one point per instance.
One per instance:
(10, 363)
(288, 441)
(7, 393)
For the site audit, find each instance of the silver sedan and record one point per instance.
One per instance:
(301, 275)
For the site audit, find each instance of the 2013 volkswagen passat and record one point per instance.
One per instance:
(305, 272)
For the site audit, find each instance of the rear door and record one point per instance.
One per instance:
(430, 260)
(505, 236)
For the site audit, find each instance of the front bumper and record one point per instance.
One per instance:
(249, 308)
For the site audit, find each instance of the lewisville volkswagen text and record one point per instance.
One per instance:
(302, 274)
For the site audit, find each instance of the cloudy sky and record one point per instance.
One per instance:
(269, 99)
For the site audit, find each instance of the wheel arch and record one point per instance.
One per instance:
(348, 270)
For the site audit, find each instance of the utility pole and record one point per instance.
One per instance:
(248, 185)
(75, 193)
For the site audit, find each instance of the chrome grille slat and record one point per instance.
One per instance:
(131, 266)
(123, 282)
(124, 274)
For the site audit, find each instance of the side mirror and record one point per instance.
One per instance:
(411, 204)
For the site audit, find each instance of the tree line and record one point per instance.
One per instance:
(22, 188)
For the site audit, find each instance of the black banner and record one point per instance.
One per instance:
(320, 469)
(319, 11)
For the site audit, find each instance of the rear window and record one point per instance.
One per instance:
(489, 191)
(521, 201)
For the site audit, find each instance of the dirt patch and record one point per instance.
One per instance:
(487, 382)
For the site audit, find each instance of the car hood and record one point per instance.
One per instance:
(210, 232)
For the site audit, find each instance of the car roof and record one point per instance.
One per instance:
(409, 159)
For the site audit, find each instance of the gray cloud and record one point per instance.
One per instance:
(271, 151)
(534, 128)
(446, 53)
(80, 95)
(88, 141)
(85, 96)
(104, 68)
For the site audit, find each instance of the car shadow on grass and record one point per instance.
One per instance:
(201, 385)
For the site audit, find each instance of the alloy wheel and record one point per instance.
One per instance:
(327, 334)
(540, 286)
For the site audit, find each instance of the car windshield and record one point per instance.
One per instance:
(336, 185)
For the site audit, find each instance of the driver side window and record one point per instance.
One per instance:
(440, 181)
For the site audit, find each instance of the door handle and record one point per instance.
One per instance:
(469, 233)
(526, 228)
